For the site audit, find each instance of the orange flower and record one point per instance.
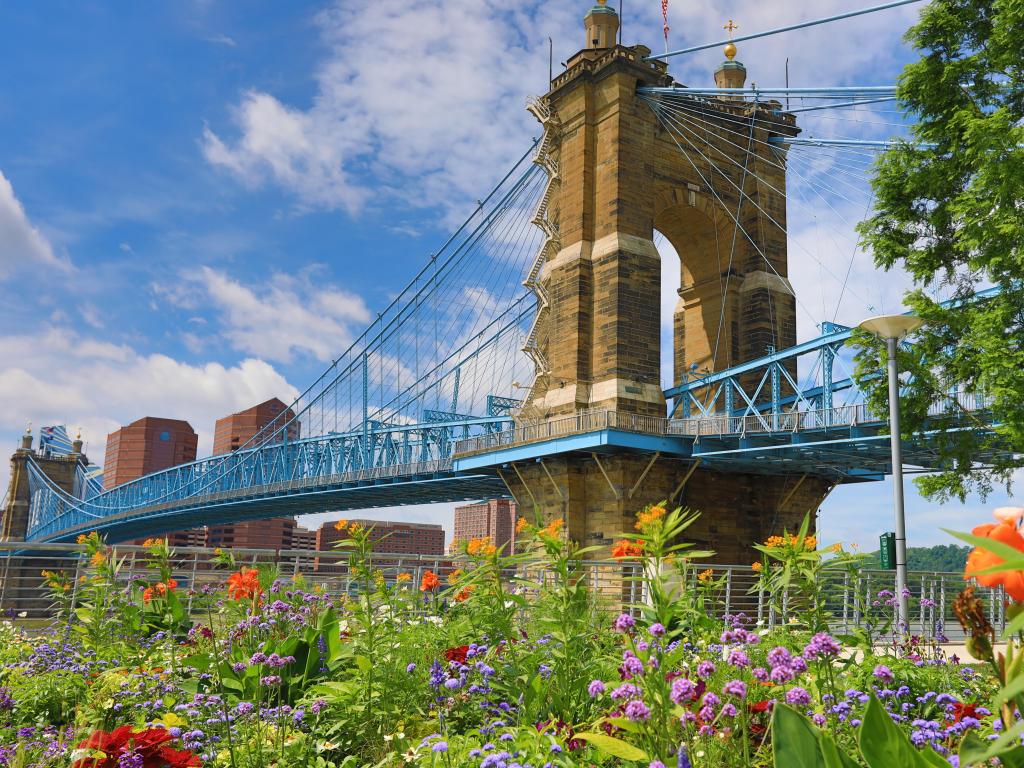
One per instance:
(245, 584)
(648, 516)
(455, 575)
(463, 594)
(756, 567)
(520, 524)
(403, 577)
(774, 541)
(482, 546)
(97, 559)
(172, 584)
(627, 549)
(429, 582)
(811, 542)
(82, 538)
(341, 525)
(550, 531)
(147, 594)
(705, 575)
(981, 560)
(161, 588)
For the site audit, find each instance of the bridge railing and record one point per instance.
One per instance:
(710, 425)
(854, 600)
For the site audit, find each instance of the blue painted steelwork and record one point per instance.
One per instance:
(378, 454)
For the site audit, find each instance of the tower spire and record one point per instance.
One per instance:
(602, 25)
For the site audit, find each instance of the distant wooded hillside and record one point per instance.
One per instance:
(941, 557)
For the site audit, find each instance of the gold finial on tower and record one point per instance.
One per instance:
(601, 2)
(28, 429)
(78, 434)
(730, 49)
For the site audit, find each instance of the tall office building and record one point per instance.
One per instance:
(233, 432)
(150, 445)
(494, 519)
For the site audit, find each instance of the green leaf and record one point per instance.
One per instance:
(1005, 551)
(364, 664)
(794, 740)
(883, 745)
(833, 757)
(974, 751)
(614, 747)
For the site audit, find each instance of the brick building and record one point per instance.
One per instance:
(390, 537)
(494, 519)
(231, 433)
(150, 445)
(304, 539)
(145, 446)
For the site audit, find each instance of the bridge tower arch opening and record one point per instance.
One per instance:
(715, 188)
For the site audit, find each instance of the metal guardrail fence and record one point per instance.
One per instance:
(853, 601)
(712, 425)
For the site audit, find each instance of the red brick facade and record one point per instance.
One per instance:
(495, 519)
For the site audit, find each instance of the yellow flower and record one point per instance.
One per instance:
(403, 577)
(341, 525)
(520, 524)
(455, 575)
(756, 567)
(837, 547)
(355, 528)
(97, 559)
(705, 575)
(811, 542)
(217, 551)
(82, 538)
(774, 541)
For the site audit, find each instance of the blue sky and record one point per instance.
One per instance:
(202, 202)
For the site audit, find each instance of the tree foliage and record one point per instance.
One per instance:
(950, 210)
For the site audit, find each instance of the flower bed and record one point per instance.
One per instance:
(474, 670)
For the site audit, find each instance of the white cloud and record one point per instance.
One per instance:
(289, 314)
(434, 92)
(21, 243)
(57, 376)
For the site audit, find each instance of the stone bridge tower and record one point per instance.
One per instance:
(616, 176)
(60, 468)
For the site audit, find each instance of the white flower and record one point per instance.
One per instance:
(1012, 515)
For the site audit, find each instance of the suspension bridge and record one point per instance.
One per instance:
(554, 281)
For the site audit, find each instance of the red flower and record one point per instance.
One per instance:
(961, 710)
(457, 654)
(122, 741)
(761, 706)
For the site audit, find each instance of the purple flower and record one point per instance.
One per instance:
(656, 764)
(760, 673)
(882, 672)
(452, 683)
(636, 710)
(656, 630)
(411, 668)
(625, 691)
(735, 688)
(729, 710)
(738, 658)
(238, 667)
(683, 689)
(631, 666)
(245, 707)
(798, 697)
(624, 623)
(711, 699)
(684, 758)
(822, 645)
(270, 680)
(779, 657)
(705, 669)
(258, 658)
(317, 706)
(440, 746)
(596, 688)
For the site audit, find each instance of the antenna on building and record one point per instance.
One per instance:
(620, 22)
(551, 60)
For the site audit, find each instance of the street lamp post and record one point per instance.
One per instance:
(892, 328)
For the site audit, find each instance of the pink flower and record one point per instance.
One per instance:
(1011, 515)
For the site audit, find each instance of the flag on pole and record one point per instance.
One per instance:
(664, 16)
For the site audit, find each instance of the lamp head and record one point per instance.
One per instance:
(891, 326)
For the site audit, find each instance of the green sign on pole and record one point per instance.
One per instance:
(887, 550)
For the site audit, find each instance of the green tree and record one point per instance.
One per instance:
(950, 210)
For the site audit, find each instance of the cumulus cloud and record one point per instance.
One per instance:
(21, 243)
(434, 92)
(57, 376)
(289, 314)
